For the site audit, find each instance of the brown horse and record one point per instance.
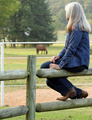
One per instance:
(41, 48)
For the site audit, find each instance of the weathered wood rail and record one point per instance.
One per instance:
(52, 73)
(31, 107)
(13, 75)
(13, 112)
(61, 105)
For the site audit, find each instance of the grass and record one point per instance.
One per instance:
(61, 35)
(66, 115)
(23, 52)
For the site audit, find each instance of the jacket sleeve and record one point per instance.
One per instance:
(74, 40)
(62, 52)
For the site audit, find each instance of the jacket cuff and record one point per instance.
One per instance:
(64, 62)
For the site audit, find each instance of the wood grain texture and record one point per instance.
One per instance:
(12, 112)
(13, 74)
(52, 73)
(60, 105)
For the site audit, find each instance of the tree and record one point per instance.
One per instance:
(7, 8)
(62, 19)
(20, 25)
(43, 30)
(33, 22)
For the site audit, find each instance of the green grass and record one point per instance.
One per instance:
(23, 52)
(61, 36)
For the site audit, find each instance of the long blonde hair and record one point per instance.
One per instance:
(76, 15)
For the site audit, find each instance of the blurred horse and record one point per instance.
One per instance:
(41, 48)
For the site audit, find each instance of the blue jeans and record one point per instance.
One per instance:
(62, 84)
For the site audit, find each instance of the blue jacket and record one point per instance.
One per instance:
(77, 49)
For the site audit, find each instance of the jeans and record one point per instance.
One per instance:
(62, 84)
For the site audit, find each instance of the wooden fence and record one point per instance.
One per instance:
(31, 107)
(30, 74)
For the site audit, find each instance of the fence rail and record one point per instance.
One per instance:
(61, 105)
(31, 42)
(51, 73)
(13, 74)
(13, 112)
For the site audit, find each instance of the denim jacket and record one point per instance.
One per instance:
(77, 49)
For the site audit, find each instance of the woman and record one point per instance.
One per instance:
(75, 55)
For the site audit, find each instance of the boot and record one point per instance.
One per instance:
(84, 94)
(71, 94)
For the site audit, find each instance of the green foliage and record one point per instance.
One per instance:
(33, 22)
(7, 8)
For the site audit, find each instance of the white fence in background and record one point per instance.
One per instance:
(2, 60)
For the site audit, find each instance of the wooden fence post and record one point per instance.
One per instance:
(31, 87)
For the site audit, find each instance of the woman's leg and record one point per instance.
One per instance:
(45, 65)
(61, 85)
(80, 93)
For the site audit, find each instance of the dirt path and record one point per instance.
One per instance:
(17, 98)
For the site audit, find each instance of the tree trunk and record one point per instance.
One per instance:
(24, 45)
(14, 40)
(4, 41)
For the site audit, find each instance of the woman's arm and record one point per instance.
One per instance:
(62, 52)
(75, 39)
(54, 58)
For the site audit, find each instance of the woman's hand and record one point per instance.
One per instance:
(54, 66)
(54, 58)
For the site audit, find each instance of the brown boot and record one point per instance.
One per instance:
(71, 93)
(84, 94)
